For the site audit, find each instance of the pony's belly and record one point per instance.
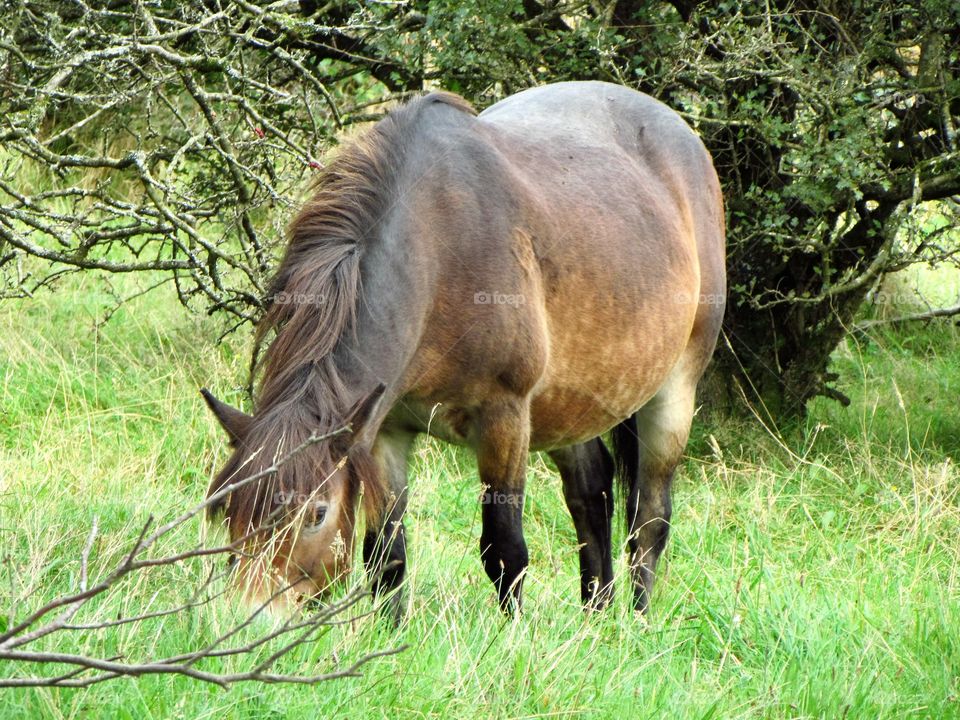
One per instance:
(557, 419)
(603, 367)
(563, 416)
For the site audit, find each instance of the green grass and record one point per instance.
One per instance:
(812, 571)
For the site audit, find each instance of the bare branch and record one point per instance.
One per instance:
(171, 139)
(945, 312)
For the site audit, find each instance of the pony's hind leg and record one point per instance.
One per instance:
(502, 449)
(662, 427)
(385, 545)
(587, 474)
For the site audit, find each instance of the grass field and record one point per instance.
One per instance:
(813, 572)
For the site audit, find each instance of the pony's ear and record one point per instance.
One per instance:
(235, 422)
(357, 416)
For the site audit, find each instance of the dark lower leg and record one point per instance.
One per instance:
(385, 544)
(648, 514)
(502, 461)
(587, 474)
(502, 548)
(385, 560)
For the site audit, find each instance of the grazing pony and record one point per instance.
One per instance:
(524, 279)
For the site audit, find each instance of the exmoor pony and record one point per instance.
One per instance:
(525, 279)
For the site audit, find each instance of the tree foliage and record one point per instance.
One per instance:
(177, 137)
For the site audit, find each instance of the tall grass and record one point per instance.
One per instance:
(813, 571)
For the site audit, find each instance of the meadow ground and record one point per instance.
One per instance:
(812, 571)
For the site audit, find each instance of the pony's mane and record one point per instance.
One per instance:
(311, 304)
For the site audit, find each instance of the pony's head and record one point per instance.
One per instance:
(290, 493)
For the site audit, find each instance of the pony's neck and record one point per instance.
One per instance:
(360, 248)
(389, 316)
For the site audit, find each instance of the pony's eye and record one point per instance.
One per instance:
(317, 514)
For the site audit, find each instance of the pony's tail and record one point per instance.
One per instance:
(626, 457)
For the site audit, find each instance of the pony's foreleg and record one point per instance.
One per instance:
(663, 426)
(502, 448)
(587, 474)
(385, 546)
